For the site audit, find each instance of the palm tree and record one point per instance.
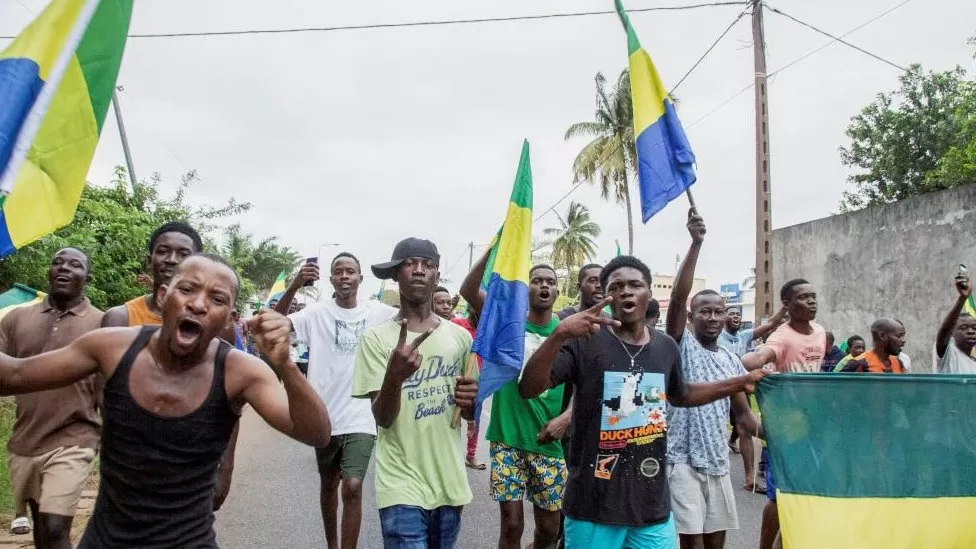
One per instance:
(610, 158)
(257, 264)
(572, 243)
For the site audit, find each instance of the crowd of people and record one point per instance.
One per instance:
(616, 430)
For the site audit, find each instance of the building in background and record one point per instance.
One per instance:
(661, 285)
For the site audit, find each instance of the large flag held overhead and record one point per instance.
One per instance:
(665, 163)
(56, 82)
(500, 339)
(872, 460)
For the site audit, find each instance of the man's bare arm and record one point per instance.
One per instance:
(698, 394)
(471, 286)
(116, 317)
(770, 326)
(53, 369)
(678, 311)
(758, 358)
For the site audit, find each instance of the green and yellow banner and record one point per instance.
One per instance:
(872, 461)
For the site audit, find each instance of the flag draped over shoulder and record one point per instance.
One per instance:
(278, 288)
(665, 163)
(500, 339)
(871, 460)
(56, 82)
(19, 296)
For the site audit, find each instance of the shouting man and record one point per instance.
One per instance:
(56, 432)
(172, 396)
(412, 371)
(617, 495)
(526, 453)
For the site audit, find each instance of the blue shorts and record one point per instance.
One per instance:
(770, 480)
(409, 527)
(580, 534)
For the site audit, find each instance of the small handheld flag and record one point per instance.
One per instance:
(500, 339)
(665, 162)
(278, 288)
(56, 80)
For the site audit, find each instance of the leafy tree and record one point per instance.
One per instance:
(112, 225)
(917, 139)
(610, 158)
(573, 244)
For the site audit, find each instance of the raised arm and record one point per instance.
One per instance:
(471, 287)
(53, 369)
(678, 311)
(308, 272)
(292, 407)
(963, 288)
(537, 372)
(774, 322)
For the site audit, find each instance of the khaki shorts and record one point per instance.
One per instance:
(701, 503)
(54, 480)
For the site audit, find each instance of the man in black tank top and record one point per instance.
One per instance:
(172, 397)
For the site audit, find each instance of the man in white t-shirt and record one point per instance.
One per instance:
(331, 329)
(957, 335)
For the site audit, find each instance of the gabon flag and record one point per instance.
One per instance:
(500, 339)
(56, 82)
(872, 460)
(665, 162)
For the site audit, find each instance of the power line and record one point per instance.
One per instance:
(837, 39)
(709, 50)
(373, 26)
(798, 60)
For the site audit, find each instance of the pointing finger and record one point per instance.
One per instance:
(599, 306)
(403, 333)
(420, 339)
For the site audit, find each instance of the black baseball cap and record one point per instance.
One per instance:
(406, 248)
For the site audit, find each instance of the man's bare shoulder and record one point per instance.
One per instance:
(116, 316)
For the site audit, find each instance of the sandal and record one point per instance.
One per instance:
(20, 526)
(756, 488)
(472, 463)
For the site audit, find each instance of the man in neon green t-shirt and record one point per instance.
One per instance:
(412, 369)
(526, 454)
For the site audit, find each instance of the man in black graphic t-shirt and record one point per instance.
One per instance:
(622, 374)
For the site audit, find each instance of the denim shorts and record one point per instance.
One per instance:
(409, 527)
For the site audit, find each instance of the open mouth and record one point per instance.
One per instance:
(62, 279)
(188, 331)
(544, 295)
(598, 296)
(628, 307)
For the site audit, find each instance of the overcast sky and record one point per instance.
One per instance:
(365, 137)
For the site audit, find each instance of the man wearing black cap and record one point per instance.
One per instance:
(412, 369)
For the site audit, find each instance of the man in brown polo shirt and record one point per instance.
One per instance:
(56, 433)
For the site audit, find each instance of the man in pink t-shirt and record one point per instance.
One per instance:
(797, 346)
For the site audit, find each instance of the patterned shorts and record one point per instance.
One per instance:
(512, 470)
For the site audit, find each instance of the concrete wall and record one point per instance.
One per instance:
(896, 260)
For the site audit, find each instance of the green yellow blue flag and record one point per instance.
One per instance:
(500, 339)
(19, 296)
(278, 288)
(56, 81)
(970, 306)
(872, 460)
(665, 163)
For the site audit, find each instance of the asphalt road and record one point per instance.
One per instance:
(273, 503)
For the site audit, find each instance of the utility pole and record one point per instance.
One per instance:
(470, 255)
(125, 140)
(764, 255)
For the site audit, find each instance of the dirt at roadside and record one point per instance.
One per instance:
(85, 506)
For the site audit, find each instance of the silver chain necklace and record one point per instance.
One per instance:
(633, 357)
